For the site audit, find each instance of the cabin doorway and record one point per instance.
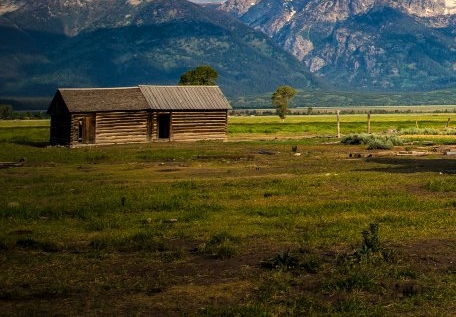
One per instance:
(164, 125)
(86, 129)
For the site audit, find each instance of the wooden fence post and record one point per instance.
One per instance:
(369, 123)
(338, 124)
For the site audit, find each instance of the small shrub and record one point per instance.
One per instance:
(355, 139)
(284, 261)
(371, 239)
(143, 241)
(372, 141)
(370, 251)
(370, 246)
(379, 144)
(221, 246)
(427, 131)
(311, 264)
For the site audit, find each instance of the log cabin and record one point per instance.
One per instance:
(142, 114)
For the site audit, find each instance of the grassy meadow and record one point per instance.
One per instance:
(280, 220)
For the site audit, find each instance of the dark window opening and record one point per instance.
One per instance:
(80, 130)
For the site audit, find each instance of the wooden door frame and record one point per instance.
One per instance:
(87, 129)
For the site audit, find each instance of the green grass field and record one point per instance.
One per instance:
(246, 227)
(325, 125)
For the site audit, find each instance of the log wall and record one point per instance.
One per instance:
(121, 127)
(190, 126)
(142, 127)
(113, 127)
(193, 126)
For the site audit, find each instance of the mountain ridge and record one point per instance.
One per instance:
(324, 35)
(255, 45)
(142, 43)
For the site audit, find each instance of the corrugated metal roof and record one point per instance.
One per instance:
(185, 97)
(144, 97)
(103, 99)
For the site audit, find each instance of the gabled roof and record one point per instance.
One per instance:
(185, 97)
(144, 97)
(103, 99)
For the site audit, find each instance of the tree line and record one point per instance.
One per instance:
(7, 113)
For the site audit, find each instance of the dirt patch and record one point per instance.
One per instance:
(432, 255)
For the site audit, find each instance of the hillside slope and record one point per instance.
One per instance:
(383, 45)
(99, 43)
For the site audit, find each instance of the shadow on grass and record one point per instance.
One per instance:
(413, 165)
(37, 144)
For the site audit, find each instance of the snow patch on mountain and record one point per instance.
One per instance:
(7, 6)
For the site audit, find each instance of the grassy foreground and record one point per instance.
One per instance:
(247, 227)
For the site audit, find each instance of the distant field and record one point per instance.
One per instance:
(324, 125)
(24, 123)
(281, 220)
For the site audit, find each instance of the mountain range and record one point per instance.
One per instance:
(107, 43)
(384, 46)
(376, 45)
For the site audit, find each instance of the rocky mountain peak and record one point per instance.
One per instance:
(351, 42)
(72, 17)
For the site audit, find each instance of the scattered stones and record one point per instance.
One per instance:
(411, 153)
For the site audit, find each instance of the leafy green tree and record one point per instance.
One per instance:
(201, 75)
(281, 99)
(6, 112)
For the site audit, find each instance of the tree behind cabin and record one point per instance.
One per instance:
(201, 75)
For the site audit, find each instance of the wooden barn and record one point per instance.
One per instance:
(98, 116)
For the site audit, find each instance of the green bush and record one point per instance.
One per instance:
(428, 131)
(221, 245)
(284, 261)
(373, 142)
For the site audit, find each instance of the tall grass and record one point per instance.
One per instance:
(184, 227)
